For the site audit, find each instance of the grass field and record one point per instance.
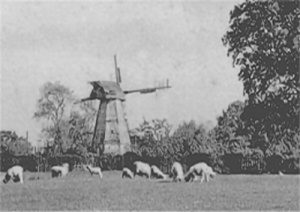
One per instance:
(80, 191)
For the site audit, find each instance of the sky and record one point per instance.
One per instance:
(74, 42)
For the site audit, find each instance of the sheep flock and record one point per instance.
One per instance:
(197, 172)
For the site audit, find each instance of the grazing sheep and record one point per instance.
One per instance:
(200, 169)
(127, 173)
(94, 170)
(191, 176)
(142, 169)
(177, 172)
(15, 173)
(209, 173)
(157, 173)
(60, 170)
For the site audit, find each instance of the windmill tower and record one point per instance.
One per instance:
(111, 133)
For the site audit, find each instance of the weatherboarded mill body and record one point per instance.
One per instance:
(111, 134)
(111, 128)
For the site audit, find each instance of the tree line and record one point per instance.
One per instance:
(224, 147)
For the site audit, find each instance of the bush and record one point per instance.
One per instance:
(72, 160)
(129, 158)
(8, 161)
(274, 163)
(105, 161)
(193, 159)
(291, 165)
(232, 163)
(28, 162)
(117, 162)
(253, 162)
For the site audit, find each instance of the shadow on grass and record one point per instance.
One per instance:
(166, 181)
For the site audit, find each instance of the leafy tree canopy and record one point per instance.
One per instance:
(264, 41)
(229, 131)
(51, 106)
(14, 144)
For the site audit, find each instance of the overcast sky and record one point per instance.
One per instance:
(74, 42)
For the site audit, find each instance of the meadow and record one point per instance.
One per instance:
(80, 191)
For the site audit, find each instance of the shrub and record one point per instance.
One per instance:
(253, 162)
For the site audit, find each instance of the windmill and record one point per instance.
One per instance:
(111, 132)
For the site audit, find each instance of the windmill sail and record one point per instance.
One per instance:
(117, 71)
(148, 90)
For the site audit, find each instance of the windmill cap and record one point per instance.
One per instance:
(112, 89)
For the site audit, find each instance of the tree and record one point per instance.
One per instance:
(157, 128)
(81, 127)
(51, 107)
(151, 138)
(191, 138)
(13, 144)
(229, 131)
(264, 41)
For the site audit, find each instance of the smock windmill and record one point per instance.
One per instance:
(111, 133)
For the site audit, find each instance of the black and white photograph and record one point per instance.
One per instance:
(150, 105)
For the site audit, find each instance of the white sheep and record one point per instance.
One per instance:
(142, 168)
(195, 171)
(209, 173)
(200, 169)
(15, 173)
(190, 176)
(60, 170)
(94, 170)
(127, 173)
(157, 173)
(177, 172)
